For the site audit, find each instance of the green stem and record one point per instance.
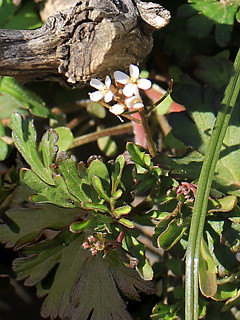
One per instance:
(147, 132)
(203, 190)
(169, 90)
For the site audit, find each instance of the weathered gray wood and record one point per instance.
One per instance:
(90, 39)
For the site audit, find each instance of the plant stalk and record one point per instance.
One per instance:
(90, 137)
(147, 132)
(203, 190)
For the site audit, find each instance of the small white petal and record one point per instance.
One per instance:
(129, 89)
(108, 82)
(121, 77)
(108, 96)
(134, 102)
(138, 105)
(130, 101)
(117, 109)
(136, 91)
(134, 71)
(144, 84)
(97, 84)
(96, 96)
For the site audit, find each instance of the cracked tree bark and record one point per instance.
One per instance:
(90, 39)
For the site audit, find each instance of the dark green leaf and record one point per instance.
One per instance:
(58, 301)
(148, 180)
(103, 219)
(218, 232)
(186, 168)
(220, 67)
(201, 103)
(85, 285)
(7, 10)
(25, 225)
(24, 97)
(176, 266)
(206, 14)
(26, 18)
(41, 258)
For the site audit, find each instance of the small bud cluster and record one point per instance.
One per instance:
(124, 95)
(94, 244)
(187, 190)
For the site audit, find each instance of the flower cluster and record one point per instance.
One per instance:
(94, 244)
(124, 95)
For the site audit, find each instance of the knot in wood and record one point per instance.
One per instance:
(107, 36)
(88, 39)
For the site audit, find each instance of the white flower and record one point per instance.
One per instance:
(133, 82)
(103, 90)
(134, 103)
(138, 105)
(117, 109)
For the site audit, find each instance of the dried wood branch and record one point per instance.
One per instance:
(89, 39)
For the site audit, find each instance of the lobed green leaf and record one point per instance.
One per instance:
(57, 194)
(16, 232)
(137, 249)
(24, 136)
(41, 258)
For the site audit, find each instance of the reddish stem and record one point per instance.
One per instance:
(121, 236)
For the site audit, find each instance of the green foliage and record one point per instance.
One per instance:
(78, 227)
(8, 183)
(204, 15)
(24, 16)
(57, 179)
(19, 97)
(65, 138)
(201, 104)
(165, 312)
(24, 136)
(3, 144)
